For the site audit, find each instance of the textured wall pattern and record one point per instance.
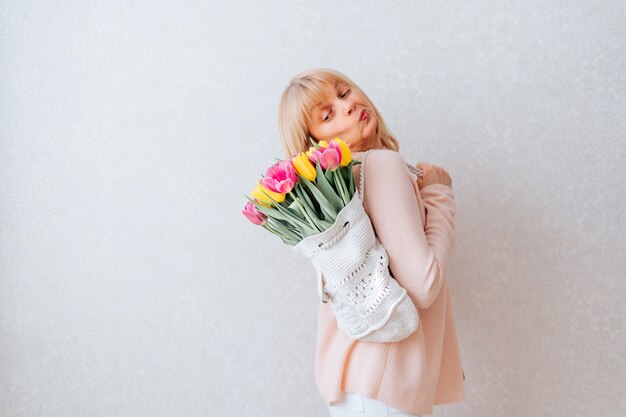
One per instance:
(131, 285)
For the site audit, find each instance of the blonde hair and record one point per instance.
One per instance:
(298, 101)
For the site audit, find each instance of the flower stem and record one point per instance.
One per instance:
(341, 187)
(266, 226)
(303, 210)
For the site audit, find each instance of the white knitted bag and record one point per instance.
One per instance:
(353, 272)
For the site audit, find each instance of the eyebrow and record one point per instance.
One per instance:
(321, 102)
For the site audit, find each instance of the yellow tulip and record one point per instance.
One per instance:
(258, 191)
(346, 153)
(323, 143)
(304, 167)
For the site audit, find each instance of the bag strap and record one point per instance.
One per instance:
(362, 176)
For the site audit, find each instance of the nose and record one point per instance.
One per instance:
(349, 107)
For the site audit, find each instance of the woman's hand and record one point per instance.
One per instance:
(432, 175)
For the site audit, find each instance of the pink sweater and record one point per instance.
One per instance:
(416, 227)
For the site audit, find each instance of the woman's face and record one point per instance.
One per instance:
(339, 115)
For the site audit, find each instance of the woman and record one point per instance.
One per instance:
(414, 220)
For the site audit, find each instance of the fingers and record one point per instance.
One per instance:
(431, 168)
(437, 173)
(425, 170)
(445, 177)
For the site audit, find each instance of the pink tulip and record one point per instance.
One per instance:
(337, 147)
(327, 157)
(280, 177)
(253, 214)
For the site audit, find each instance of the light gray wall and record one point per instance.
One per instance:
(131, 285)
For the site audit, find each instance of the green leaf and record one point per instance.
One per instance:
(325, 206)
(325, 224)
(327, 189)
(350, 178)
(293, 208)
(329, 175)
(302, 193)
(341, 187)
(268, 211)
(312, 214)
(307, 231)
(287, 232)
(300, 224)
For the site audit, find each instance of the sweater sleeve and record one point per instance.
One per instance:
(417, 255)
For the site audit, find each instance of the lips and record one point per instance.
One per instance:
(363, 115)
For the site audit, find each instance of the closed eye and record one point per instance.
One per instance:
(342, 96)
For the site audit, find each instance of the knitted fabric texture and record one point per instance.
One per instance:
(352, 269)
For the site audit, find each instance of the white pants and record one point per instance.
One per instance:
(352, 404)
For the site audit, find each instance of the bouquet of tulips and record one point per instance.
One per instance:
(310, 202)
(301, 196)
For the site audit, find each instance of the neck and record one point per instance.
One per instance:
(368, 149)
(372, 144)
